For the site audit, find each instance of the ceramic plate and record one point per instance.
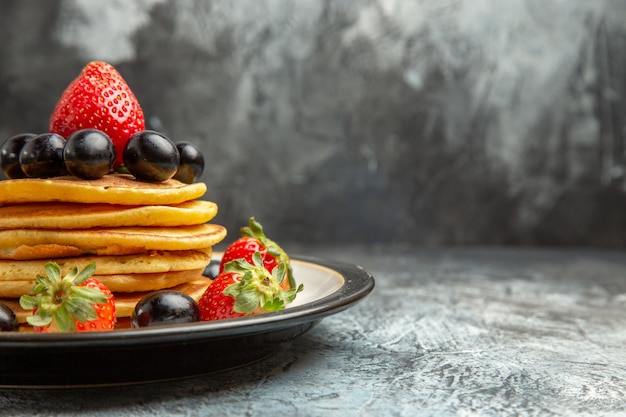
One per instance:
(160, 353)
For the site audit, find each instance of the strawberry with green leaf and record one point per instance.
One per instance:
(74, 302)
(254, 240)
(99, 99)
(245, 288)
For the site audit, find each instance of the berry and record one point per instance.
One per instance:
(75, 302)
(245, 289)
(99, 98)
(89, 154)
(214, 304)
(42, 156)
(151, 156)
(10, 153)
(212, 270)
(191, 163)
(253, 240)
(8, 319)
(245, 247)
(165, 307)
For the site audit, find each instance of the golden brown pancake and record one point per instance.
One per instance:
(84, 216)
(144, 263)
(44, 243)
(112, 189)
(123, 283)
(133, 283)
(124, 302)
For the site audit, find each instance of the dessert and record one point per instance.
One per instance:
(100, 219)
(134, 249)
(64, 206)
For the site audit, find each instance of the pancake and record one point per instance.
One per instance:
(133, 283)
(112, 189)
(84, 216)
(145, 263)
(124, 302)
(123, 283)
(43, 243)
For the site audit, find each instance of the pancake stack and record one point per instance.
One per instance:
(142, 236)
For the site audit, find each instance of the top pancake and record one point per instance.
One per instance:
(113, 189)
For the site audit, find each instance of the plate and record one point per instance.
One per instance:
(130, 356)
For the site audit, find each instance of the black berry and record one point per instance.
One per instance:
(191, 163)
(151, 156)
(8, 320)
(165, 307)
(89, 154)
(42, 156)
(10, 155)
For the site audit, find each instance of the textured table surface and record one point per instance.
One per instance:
(494, 332)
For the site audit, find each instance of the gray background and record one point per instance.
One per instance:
(429, 122)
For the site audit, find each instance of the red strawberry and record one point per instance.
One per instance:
(245, 247)
(75, 302)
(99, 99)
(245, 289)
(214, 304)
(254, 240)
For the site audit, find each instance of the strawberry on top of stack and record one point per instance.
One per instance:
(100, 215)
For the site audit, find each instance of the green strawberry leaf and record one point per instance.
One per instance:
(246, 301)
(28, 302)
(275, 304)
(53, 271)
(81, 309)
(91, 295)
(63, 320)
(39, 319)
(85, 274)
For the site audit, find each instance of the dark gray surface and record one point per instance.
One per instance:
(446, 332)
(427, 121)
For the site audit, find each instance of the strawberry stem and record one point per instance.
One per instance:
(62, 299)
(258, 289)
